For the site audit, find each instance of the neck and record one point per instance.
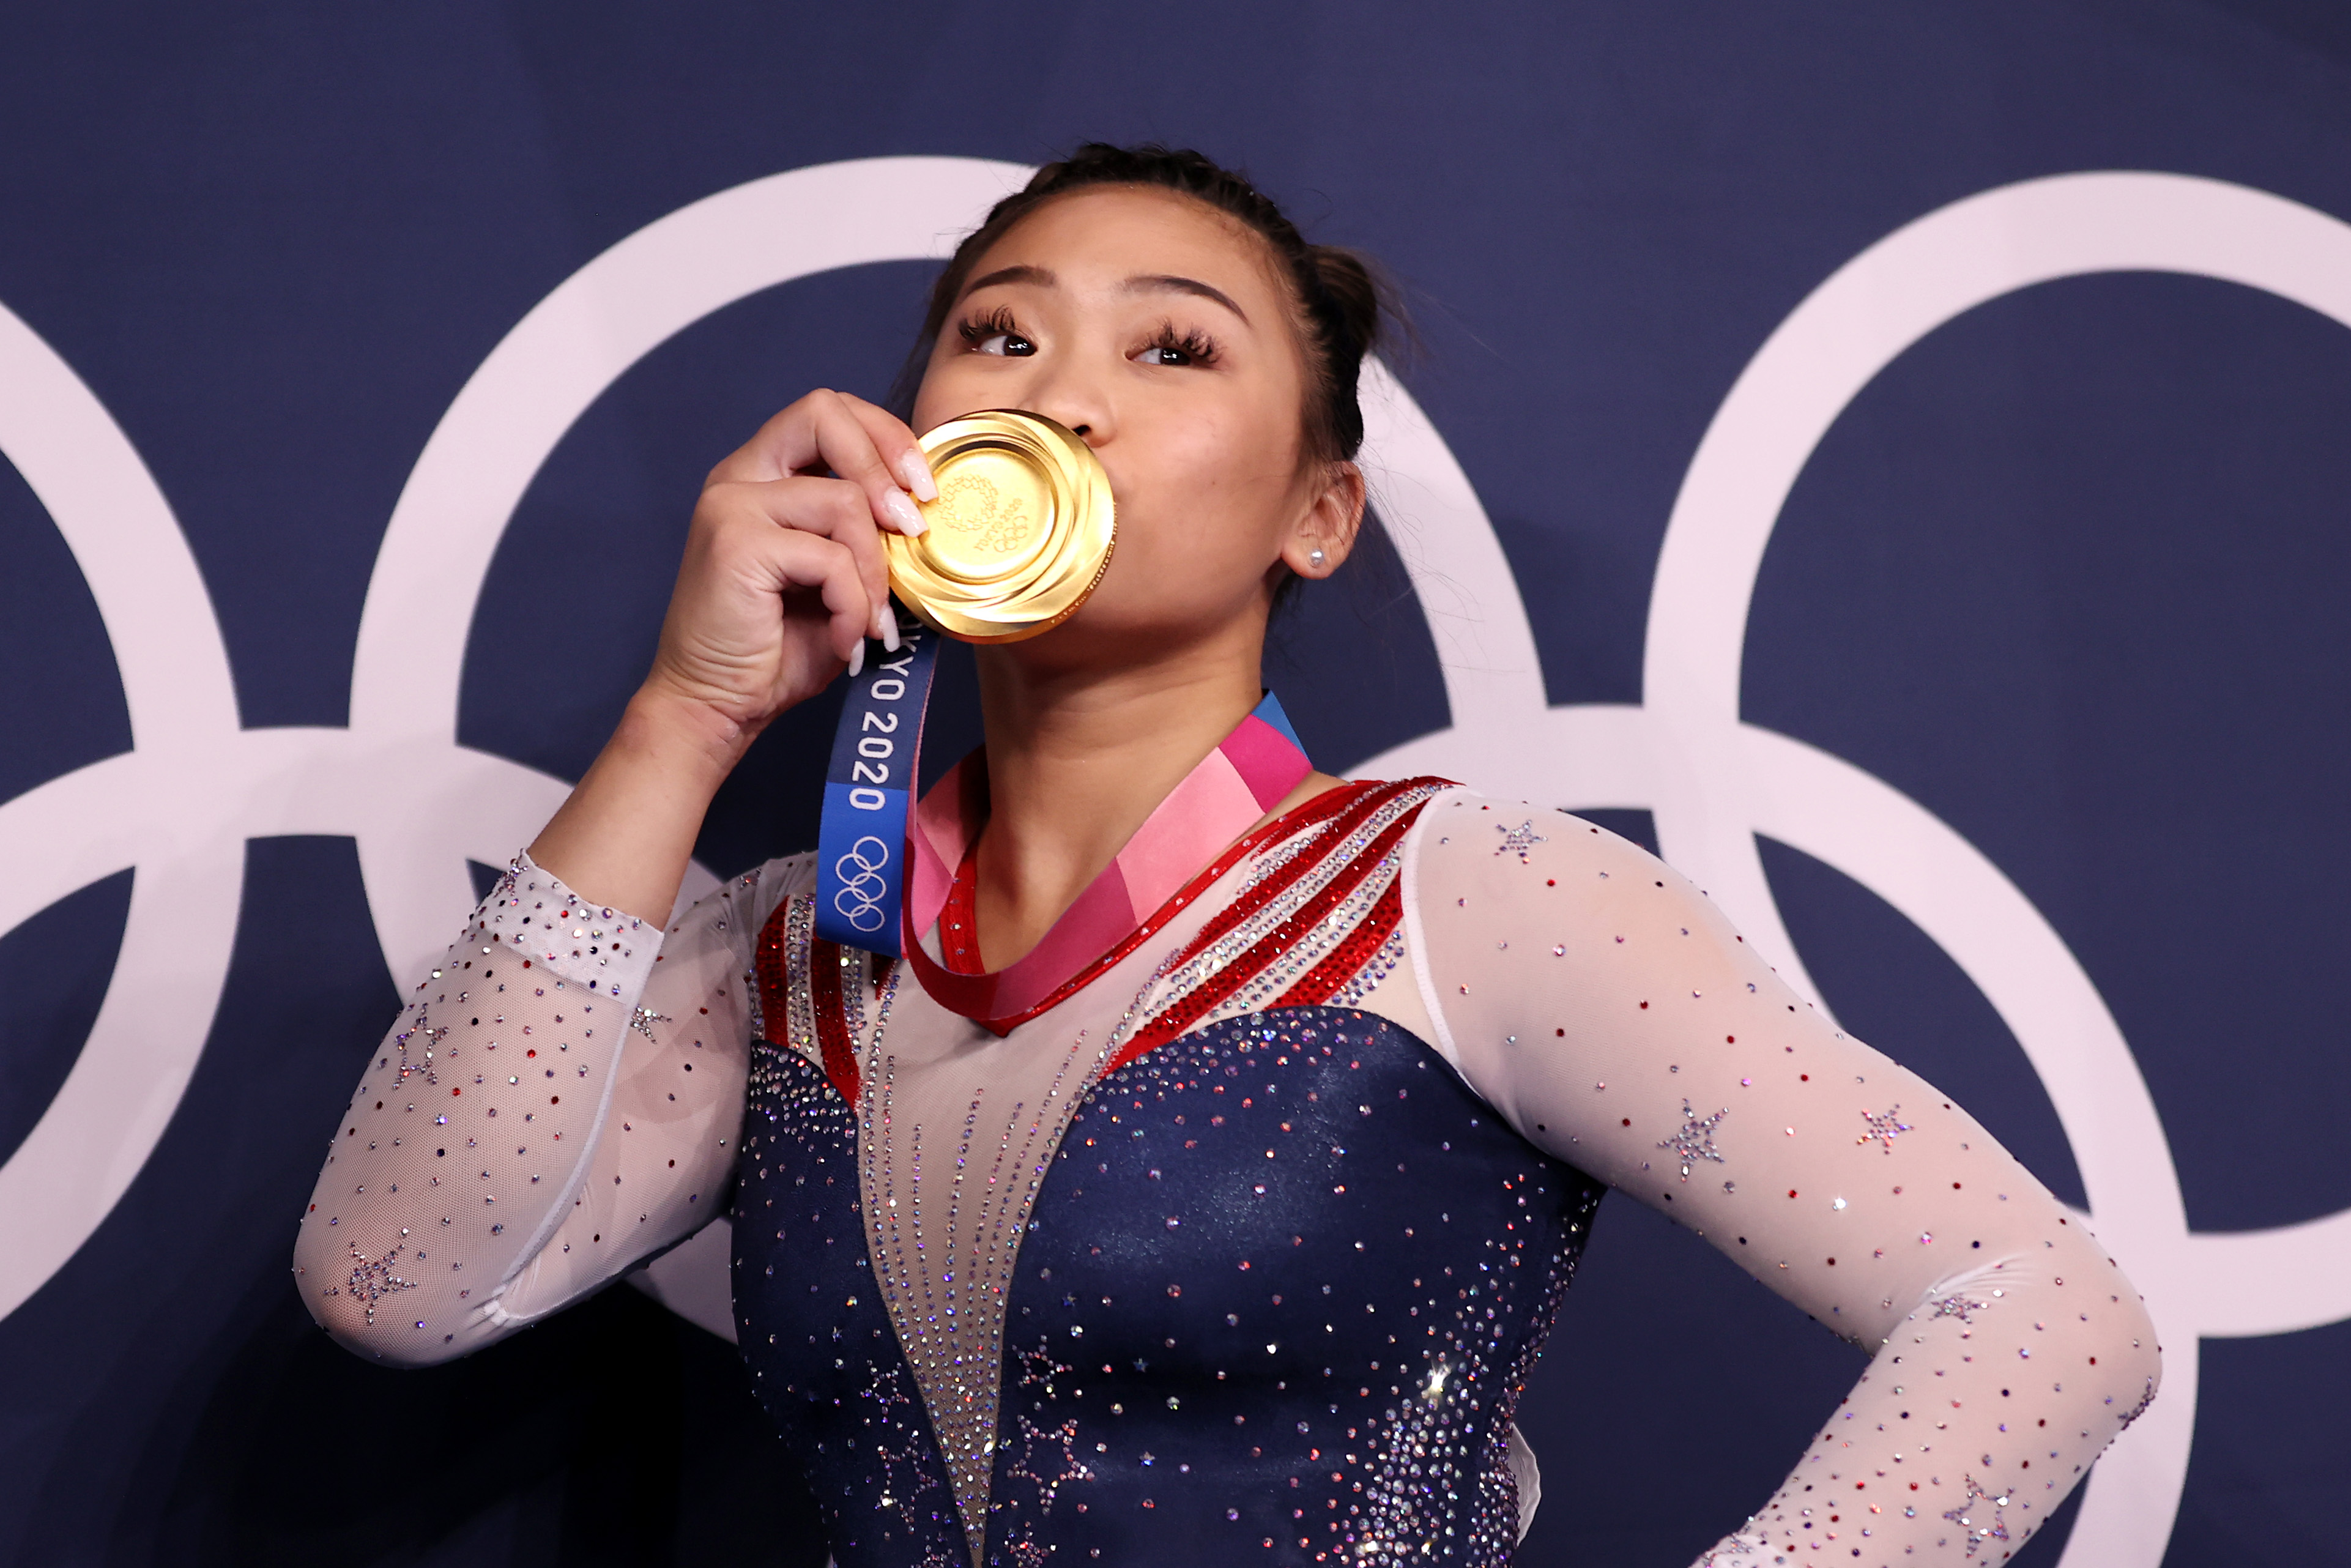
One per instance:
(1078, 758)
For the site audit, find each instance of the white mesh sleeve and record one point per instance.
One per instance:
(558, 1099)
(1604, 1007)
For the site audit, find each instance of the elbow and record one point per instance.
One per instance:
(386, 1329)
(2125, 1350)
(2139, 1354)
(374, 1343)
(389, 1338)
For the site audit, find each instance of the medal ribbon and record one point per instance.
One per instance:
(860, 863)
(1250, 772)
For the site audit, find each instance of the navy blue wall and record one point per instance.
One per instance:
(2070, 574)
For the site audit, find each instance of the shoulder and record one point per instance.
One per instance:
(1510, 906)
(768, 887)
(738, 906)
(786, 877)
(1470, 827)
(1478, 858)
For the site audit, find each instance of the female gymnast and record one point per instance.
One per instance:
(1203, 1183)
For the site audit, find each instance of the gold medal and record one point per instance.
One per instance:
(1019, 536)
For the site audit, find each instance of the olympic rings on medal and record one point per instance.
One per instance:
(866, 886)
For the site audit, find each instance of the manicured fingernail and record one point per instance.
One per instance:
(887, 619)
(903, 513)
(857, 660)
(917, 476)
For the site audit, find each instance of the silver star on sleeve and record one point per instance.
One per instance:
(1964, 1516)
(1521, 839)
(372, 1278)
(1694, 1139)
(1884, 1128)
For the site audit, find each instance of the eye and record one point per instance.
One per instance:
(1172, 348)
(994, 333)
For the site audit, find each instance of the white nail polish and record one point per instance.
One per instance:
(889, 619)
(917, 475)
(903, 513)
(857, 660)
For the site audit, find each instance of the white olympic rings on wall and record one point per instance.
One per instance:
(180, 804)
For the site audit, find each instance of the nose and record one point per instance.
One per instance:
(1069, 395)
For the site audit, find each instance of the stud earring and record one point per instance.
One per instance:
(1314, 558)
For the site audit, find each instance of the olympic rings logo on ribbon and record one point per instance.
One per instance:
(196, 784)
(866, 888)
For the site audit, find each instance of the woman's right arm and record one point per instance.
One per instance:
(426, 1237)
(558, 1101)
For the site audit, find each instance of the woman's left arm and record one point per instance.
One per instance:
(1604, 1006)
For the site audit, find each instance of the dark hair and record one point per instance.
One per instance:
(1342, 302)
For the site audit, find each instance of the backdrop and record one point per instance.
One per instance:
(1892, 460)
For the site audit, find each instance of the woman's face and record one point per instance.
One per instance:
(1153, 326)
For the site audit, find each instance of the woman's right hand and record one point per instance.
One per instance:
(782, 581)
(783, 576)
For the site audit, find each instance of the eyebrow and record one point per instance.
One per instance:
(1022, 274)
(1164, 283)
(1152, 283)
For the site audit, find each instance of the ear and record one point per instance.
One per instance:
(1325, 531)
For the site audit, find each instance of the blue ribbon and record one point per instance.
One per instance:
(869, 792)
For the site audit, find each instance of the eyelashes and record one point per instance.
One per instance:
(996, 331)
(1170, 347)
(997, 327)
